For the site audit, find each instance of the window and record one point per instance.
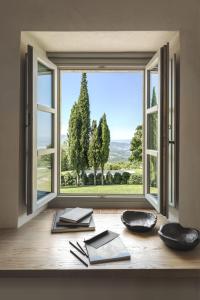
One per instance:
(102, 154)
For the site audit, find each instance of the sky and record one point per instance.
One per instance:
(118, 94)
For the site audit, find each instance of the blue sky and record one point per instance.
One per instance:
(118, 94)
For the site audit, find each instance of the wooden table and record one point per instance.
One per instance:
(32, 249)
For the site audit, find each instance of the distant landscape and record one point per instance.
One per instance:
(119, 149)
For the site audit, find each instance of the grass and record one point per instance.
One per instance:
(104, 189)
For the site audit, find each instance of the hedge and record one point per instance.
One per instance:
(68, 178)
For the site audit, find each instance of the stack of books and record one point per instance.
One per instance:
(73, 219)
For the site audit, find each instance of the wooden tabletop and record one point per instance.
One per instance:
(33, 248)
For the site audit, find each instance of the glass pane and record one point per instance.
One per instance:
(44, 130)
(152, 175)
(154, 87)
(44, 175)
(152, 131)
(44, 85)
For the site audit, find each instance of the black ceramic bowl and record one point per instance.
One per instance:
(178, 237)
(139, 221)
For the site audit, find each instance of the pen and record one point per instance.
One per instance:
(78, 258)
(82, 249)
(79, 250)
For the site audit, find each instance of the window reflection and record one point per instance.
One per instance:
(152, 131)
(44, 175)
(44, 85)
(154, 87)
(44, 130)
(152, 169)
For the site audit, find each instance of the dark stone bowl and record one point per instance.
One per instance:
(139, 221)
(178, 237)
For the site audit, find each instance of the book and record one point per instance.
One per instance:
(76, 214)
(83, 222)
(61, 229)
(111, 251)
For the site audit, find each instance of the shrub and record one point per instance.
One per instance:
(84, 179)
(62, 180)
(117, 178)
(90, 179)
(125, 177)
(135, 179)
(109, 178)
(98, 178)
(70, 178)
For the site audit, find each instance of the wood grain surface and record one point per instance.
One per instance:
(33, 247)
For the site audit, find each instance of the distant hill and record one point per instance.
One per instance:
(119, 149)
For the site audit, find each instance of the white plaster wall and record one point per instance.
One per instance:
(63, 15)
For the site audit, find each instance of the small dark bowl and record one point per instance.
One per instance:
(178, 237)
(139, 221)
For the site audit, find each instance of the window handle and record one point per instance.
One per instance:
(172, 142)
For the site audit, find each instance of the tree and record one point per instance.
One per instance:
(104, 142)
(84, 108)
(136, 146)
(94, 150)
(74, 138)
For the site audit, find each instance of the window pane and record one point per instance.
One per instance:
(44, 130)
(44, 175)
(154, 88)
(152, 131)
(44, 85)
(152, 175)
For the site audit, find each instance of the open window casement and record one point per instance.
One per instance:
(156, 130)
(41, 130)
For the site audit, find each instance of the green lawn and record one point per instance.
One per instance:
(105, 189)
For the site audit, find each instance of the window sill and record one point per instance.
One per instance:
(101, 201)
(33, 251)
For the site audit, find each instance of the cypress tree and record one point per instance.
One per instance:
(74, 137)
(94, 150)
(84, 108)
(104, 143)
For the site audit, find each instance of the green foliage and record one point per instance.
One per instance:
(154, 98)
(121, 165)
(135, 179)
(69, 179)
(84, 179)
(125, 177)
(84, 109)
(74, 137)
(94, 149)
(136, 146)
(90, 179)
(104, 142)
(117, 178)
(99, 177)
(64, 157)
(109, 178)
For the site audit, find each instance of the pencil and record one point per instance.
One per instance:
(79, 250)
(82, 249)
(72, 252)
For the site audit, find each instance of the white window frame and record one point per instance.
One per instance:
(155, 61)
(32, 108)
